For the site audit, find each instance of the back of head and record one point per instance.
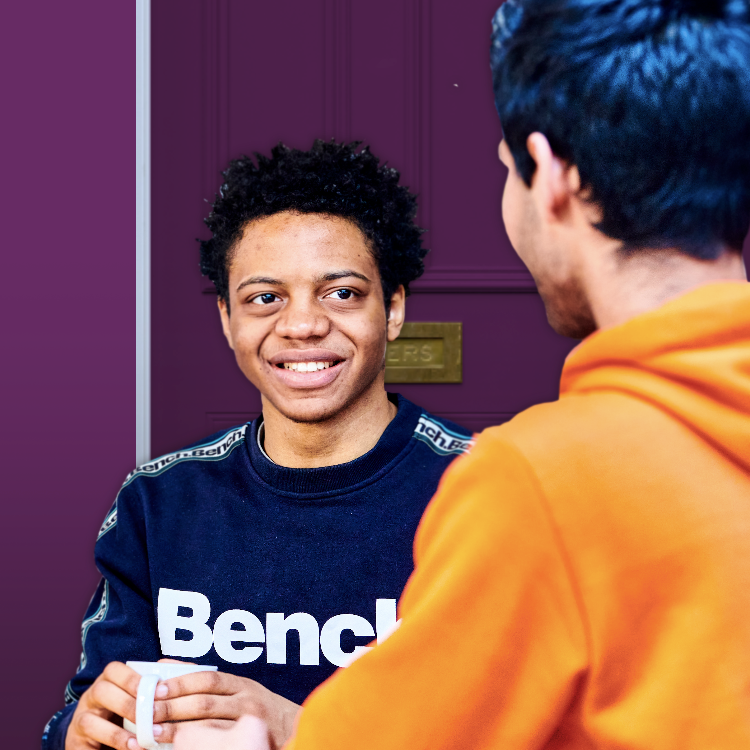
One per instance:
(650, 99)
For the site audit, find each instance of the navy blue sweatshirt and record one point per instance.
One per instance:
(214, 554)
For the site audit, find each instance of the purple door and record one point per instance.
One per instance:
(408, 77)
(411, 79)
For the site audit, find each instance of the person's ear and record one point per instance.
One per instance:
(224, 314)
(554, 183)
(397, 313)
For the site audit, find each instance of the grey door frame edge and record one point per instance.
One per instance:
(143, 232)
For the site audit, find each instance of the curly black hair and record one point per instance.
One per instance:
(331, 178)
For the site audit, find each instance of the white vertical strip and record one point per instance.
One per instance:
(143, 230)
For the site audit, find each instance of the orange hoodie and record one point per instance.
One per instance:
(583, 575)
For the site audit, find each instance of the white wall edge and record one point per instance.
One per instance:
(143, 231)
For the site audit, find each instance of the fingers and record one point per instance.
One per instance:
(215, 683)
(113, 692)
(249, 733)
(123, 676)
(107, 695)
(93, 727)
(203, 706)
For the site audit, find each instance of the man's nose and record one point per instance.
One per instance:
(303, 319)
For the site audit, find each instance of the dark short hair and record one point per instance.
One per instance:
(331, 178)
(650, 99)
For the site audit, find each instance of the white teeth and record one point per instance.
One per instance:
(307, 366)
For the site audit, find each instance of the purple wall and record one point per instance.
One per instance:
(68, 337)
(68, 341)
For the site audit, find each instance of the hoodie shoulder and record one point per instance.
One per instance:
(583, 427)
(613, 450)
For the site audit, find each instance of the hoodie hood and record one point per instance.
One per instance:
(690, 357)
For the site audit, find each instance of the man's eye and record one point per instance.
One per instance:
(264, 299)
(342, 294)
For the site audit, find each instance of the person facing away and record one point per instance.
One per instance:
(275, 550)
(582, 577)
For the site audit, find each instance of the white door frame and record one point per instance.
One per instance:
(143, 231)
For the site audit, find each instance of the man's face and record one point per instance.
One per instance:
(307, 320)
(548, 250)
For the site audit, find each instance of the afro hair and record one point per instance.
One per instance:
(331, 178)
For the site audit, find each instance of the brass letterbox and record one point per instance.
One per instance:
(425, 353)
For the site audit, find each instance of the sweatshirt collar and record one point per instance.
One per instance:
(394, 440)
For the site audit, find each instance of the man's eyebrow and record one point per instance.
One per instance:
(335, 275)
(258, 280)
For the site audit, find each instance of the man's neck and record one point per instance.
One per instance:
(620, 288)
(343, 438)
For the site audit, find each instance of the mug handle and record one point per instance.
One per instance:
(144, 712)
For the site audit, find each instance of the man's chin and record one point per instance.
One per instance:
(569, 313)
(327, 404)
(570, 326)
(309, 410)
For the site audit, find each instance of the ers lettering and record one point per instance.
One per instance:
(239, 636)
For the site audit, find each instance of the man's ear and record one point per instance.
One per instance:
(397, 313)
(224, 313)
(554, 182)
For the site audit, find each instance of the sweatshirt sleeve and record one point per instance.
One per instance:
(492, 644)
(119, 623)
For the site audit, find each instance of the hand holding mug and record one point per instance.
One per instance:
(217, 700)
(110, 696)
(121, 691)
(149, 735)
(204, 699)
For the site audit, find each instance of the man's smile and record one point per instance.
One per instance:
(306, 368)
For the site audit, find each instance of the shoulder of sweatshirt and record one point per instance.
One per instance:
(171, 469)
(217, 447)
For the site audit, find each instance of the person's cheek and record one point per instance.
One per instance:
(509, 211)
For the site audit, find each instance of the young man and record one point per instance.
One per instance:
(276, 550)
(582, 578)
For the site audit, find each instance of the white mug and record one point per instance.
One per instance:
(152, 672)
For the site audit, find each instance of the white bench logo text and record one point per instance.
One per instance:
(235, 629)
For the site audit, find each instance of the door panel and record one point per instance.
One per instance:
(411, 79)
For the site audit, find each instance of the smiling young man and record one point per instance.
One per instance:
(276, 550)
(582, 577)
